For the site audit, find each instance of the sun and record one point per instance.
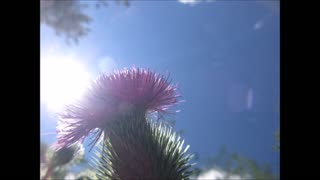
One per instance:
(63, 80)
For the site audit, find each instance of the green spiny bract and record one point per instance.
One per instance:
(140, 149)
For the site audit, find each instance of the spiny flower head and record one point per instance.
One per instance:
(113, 96)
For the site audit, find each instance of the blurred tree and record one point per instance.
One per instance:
(67, 17)
(58, 164)
(43, 152)
(236, 164)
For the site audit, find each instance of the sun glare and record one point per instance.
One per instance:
(63, 80)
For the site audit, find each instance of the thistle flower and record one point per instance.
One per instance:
(110, 98)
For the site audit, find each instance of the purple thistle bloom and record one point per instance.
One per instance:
(113, 96)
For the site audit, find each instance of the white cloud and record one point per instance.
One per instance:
(212, 174)
(70, 176)
(194, 2)
(217, 174)
(191, 2)
(107, 64)
(250, 98)
(258, 25)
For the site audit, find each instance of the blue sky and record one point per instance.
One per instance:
(223, 54)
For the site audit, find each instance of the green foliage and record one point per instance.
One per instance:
(136, 148)
(87, 174)
(277, 136)
(84, 178)
(57, 164)
(236, 164)
(43, 152)
(63, 156)
(245, 166)
(68, 18)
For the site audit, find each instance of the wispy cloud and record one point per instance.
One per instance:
(70, 176)
(217, 174)
(211, 174)
(261, 22)
(194, 2)
(250, 98)
(274, 9)
(107, 64)
(258, 25)
(190, 2)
